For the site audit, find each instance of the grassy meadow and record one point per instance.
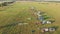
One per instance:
(20, 11)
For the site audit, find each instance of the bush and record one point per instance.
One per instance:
(4, 4)
(0, 5)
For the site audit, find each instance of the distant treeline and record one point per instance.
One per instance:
(6, 3)
(34, 0)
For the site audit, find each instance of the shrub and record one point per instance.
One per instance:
(4, 4)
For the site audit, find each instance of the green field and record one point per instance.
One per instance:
(20, 11)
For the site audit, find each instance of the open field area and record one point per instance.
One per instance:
(18, 12)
